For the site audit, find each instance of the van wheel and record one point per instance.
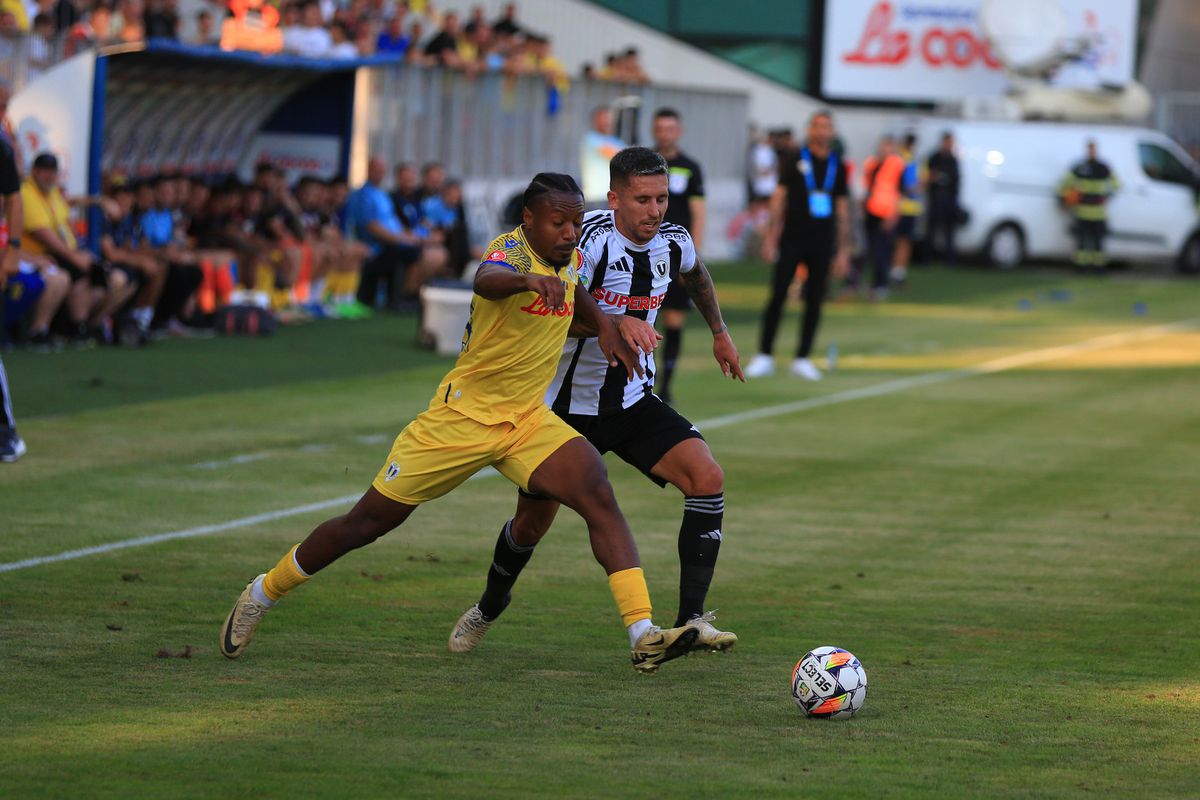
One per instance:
(1189, 257)
(1005, 246)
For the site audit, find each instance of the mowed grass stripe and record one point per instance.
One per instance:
(1004, 363)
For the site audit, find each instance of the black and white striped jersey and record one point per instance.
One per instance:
(625, 278)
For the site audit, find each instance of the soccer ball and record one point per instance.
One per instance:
(829, 683)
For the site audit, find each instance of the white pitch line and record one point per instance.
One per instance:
(887, 387)
(245, 458)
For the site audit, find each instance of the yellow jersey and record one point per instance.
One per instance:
(43, 211)
(510, 347)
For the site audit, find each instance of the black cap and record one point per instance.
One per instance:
(46, 161)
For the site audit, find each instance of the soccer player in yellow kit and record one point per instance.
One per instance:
(489, 411)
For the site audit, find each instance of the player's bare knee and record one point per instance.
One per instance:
(704, 479)
(528, 529)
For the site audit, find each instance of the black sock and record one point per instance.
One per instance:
(507, 562)
(672, 344)
(699, 544)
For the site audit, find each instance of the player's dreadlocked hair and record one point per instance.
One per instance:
(545, 183)
(635, 161)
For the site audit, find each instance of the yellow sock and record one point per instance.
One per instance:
(628, 587)
(285, 576)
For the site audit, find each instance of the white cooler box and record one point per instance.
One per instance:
(445, 307)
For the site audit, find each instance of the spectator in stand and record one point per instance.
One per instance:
(476, 21)
(8, 30)
(443, 47)
(65, 12)
(393, 39)
(161, 20)
(94, 29)
(167, 245)
(96, 290)
(308, 37)
(398, 257)
(406, 194)
(342, 46)
(506, 24)
(632, 67)
(121, 244)
(608, 71)
(364, 41)
(17, 16)
(205, 35)
(546, 64)
(416, 53)
(41, 45)
(126, 25)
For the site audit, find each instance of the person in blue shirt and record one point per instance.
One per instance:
(393, 39)
(398, 256)
(183, 275)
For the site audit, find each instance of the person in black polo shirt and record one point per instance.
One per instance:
(810, 226)
(685, 207)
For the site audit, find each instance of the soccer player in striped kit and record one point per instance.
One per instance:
(489, 411)
(631, 257)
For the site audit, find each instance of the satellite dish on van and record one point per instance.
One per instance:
(1029, 36)
(1033, 40)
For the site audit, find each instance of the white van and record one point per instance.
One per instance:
(1010, 172)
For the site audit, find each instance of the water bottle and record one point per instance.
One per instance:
(831, 358)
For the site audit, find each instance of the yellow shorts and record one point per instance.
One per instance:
(441, 448)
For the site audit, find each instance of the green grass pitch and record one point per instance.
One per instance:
(1011, 552)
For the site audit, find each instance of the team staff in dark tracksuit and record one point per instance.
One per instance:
(1086, 190)
(810, 225)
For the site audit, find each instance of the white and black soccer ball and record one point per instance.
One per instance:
(829, 683)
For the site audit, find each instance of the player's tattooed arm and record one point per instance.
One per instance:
(699, 285)
(700, 288)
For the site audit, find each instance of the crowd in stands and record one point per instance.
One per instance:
(173, 250)
(416, 32)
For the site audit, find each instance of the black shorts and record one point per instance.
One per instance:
(677, 297)
(640, 435)
(96, 275)
(132, 276)
(906, 226)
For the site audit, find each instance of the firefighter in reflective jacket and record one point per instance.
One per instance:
(1086, 190)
